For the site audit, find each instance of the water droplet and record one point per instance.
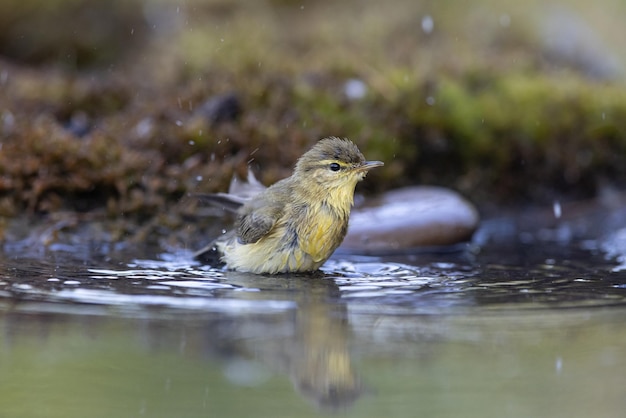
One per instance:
(428, 24)
(199, 178)
(144, 127)
(355, 89)
(192, 142)
(556, 208)
(179, 123)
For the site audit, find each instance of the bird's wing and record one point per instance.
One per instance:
(257, 220)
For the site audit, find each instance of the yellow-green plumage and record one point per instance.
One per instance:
(296, 224)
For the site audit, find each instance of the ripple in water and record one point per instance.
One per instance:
(523, 276)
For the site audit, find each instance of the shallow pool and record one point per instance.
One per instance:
(535, 329)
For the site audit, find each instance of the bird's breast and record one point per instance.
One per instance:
(321, 231)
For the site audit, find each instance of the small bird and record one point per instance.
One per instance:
(297, 223)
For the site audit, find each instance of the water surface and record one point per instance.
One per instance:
(523, 329)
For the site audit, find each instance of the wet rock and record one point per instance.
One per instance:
(565, 222)
(411, 217)
(221, 108)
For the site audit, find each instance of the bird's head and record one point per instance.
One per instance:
(334, 163)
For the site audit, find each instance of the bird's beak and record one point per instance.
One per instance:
(369, 165)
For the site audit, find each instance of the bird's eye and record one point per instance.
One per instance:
(334, 167)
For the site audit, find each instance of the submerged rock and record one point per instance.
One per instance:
(410, 217)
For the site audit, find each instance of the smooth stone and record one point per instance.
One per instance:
(421, 216)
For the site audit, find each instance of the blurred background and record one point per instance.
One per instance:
(122, 107)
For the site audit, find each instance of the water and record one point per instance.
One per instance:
(534, 329)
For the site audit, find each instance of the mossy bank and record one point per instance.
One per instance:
(120, 115)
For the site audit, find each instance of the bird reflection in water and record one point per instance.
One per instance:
(316, 356)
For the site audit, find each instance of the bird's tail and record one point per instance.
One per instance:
(210, 255)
